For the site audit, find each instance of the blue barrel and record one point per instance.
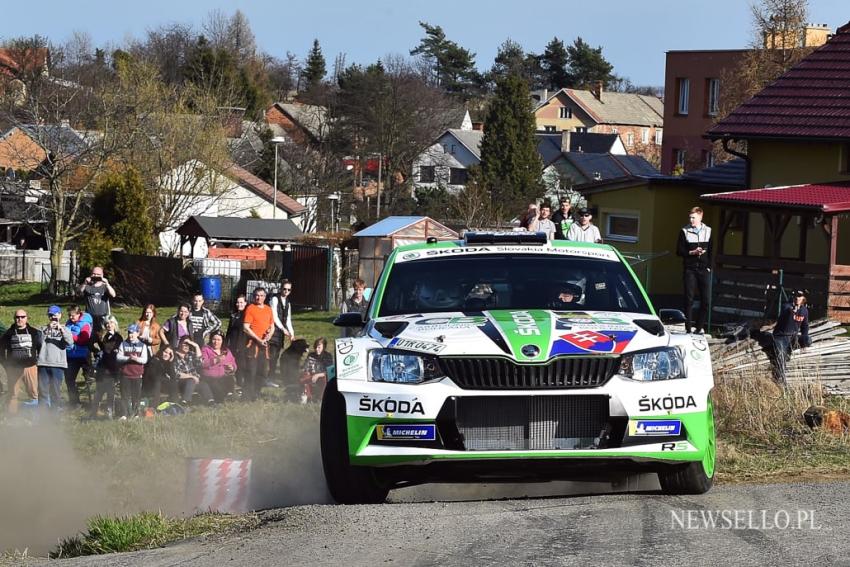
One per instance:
(211, 288)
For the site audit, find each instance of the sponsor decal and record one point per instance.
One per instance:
(525, 323)
(678, 446)
(530, 351)
(417, 345)
(492, 332)
(666, 403)
(446, 323)
(510, 249)
(410, 256)
(696, 355)
(700, 343)
(350, 359)
(344, 346)
(390, 406)
(583, 318)
(655, 427)
(587, 340)
(412, 432)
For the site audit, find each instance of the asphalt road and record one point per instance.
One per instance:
(635, 528)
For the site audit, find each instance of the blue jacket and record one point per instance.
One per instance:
(791, 323)
(81, 331)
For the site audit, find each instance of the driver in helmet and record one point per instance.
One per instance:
(568, 297)
(439, 297)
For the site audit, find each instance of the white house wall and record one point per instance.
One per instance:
(445, 154)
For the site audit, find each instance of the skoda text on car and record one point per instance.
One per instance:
(505, 357)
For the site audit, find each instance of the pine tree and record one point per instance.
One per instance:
(453, 67)
(587, 66)
(554, 62)
(510, 164)
(314, 68)
(129, 222)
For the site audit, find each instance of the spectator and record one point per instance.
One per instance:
(694, 246)
(236, 338)
(179, 326)
(132, 355)
(187, 365)
(282, 316)
(792, 329)
(218, 368)
(259, 326)
(107, 343)
(97, 292)
(583, 230)
(53, 359)
(204, 322)
(543, 223)
(20, 345)
(160, 372)
(80, 325)
(315, 371)
(355, 304)
(149, 329)
(562, 219)
(530, 215)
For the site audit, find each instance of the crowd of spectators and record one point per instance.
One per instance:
(148, 366)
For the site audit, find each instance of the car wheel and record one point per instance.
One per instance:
(347, 484)
(696, 477)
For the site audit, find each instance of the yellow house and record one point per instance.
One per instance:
(793, 216)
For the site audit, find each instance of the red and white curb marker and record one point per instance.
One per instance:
(218, 485)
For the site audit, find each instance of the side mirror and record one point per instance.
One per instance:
(350, 319)
(671, 316)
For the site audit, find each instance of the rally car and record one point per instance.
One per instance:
(507, 357)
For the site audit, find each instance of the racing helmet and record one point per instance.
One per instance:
(439, 296)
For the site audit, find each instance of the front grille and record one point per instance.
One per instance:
(514, 423)
(504, 374)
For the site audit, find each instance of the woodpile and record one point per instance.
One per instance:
(827, 361)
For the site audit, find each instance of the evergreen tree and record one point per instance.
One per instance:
(587, 66)
(510, 164)
(314, 68)
(453, 67)
(124, 209)
(554, 62)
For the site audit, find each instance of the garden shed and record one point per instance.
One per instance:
(377, 241)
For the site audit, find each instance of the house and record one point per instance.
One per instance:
(639, 119)
(25, 147)
(447, 162)
(788, 227)
(15, 65)
(301, 123)
(194, 189)
(641, 215)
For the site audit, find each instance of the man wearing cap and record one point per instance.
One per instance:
(19, 346)
(563, 220)
(583, 230)
(53, 359)
(694, 246)
(97, 291)
(791, 327)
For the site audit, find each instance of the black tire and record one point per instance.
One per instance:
(347, 484)
(696, 477)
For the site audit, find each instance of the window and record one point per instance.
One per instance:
(680, 158)
(630, 139)
(565, 112)
(708, 158)
(454, 149)
(684, 95)
(549, 129)
(658, 136)
(615, 130)
(581, 129)
(713, 97)
(427, 173)
(621, 227)
(644, 136)
(458, 176)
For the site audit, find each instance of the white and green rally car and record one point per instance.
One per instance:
(505, 357)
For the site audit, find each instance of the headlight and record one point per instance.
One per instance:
(662, 364)
(386, 365)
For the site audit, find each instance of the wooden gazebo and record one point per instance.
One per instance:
(782, 237)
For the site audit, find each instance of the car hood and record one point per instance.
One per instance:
(527, 335)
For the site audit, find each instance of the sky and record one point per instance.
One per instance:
(634, 34)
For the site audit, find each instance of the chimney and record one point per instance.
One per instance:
(545, 95)
(565, 140)
(597, 91)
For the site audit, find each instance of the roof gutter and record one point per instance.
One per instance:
(747, 165)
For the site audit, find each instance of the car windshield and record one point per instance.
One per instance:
(510, 281)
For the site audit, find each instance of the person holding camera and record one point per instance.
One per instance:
(792, 329)
(97, 292)
(53, 359)
(694, 246)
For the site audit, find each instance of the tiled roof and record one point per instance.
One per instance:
(264, 190)
(609, 166)
(811, 100)
(732, 172)
(549, 145)
(620, 108)
(469, 138)
(310, 117)
(825, 197)
(11, 60)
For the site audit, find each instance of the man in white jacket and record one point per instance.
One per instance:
(583, 230)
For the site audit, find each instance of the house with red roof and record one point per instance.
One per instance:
(790, 228)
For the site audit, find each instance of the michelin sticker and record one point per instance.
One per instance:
(655, 427)
(412, 432)
(417, 345)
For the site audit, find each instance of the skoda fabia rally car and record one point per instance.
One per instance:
(506, 357)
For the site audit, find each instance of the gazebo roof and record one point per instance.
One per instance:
(240, 229)
(823, 197)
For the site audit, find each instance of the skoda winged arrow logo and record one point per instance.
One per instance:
(530, 351)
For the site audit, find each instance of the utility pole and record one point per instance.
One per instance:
(380, 160)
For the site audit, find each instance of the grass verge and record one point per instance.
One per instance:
(146, 531)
